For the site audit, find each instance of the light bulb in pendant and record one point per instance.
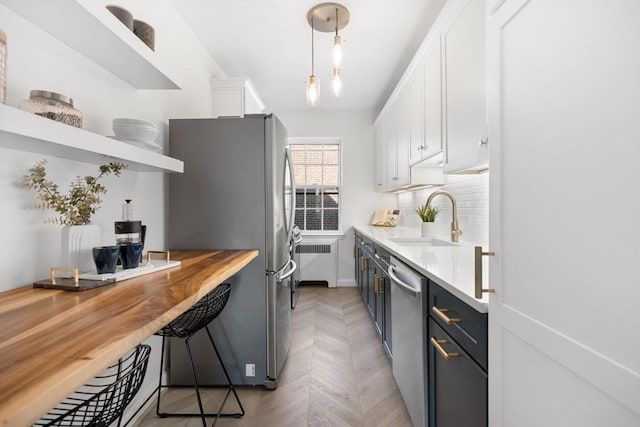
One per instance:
(313, 90)
(336, 83)
(337, 51)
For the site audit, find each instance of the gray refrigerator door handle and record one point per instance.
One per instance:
(293, 194)
(289, 273)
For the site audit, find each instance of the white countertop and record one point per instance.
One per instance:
(451, 267)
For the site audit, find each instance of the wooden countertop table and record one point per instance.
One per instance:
(52, 341)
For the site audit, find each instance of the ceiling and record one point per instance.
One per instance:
(269, 41)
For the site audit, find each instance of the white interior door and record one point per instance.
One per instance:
(564, 113)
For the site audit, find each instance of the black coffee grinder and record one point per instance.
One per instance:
(129, 231)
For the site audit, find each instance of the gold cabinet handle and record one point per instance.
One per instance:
(377, 289)
(478, 254)
(440, 312)
(74, 271)
(354, 251)
(362, 263)
(444, 353)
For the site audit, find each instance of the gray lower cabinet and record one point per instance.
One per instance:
(370, 270)
(455, 342)
(382, 292)
(363, 265)
(456, 355)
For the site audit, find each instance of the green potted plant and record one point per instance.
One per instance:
(75, 210)
(428, 216)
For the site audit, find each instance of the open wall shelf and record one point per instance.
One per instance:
(24, 131)
(90, 29)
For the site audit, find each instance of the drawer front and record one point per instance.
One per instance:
(367, 246)
(466, 325)
(458, 386)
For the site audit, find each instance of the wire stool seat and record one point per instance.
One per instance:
(103, 399)
(185, 326)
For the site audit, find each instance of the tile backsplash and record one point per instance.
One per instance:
(472, 196)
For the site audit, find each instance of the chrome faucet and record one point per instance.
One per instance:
(455, 229)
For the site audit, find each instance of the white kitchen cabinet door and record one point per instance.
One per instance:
(234, 97)
(396, 134)
(404, 138)
(465, 89)
(391, 144)
(415, 86)
(564, 83)
(381, 154)
(433, 99)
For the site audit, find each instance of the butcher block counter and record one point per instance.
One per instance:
(52, 341)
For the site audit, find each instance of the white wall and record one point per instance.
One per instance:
(359, 198)
(38, 61)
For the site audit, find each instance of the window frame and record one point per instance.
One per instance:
(326, 141)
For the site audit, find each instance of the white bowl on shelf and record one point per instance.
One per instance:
(134, 129)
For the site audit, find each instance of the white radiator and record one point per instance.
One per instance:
(318, 261)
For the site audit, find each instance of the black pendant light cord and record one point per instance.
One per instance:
(312, 55)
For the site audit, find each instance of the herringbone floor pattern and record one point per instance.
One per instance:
(336, 373)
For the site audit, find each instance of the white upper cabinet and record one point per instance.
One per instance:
(415, 85)
(393, 137)
(403, 118)
(381, 154)
(432, 99)
(391, 146)
(234, 97)
(465, 90)
(439, 104)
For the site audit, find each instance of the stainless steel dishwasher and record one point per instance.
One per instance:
(407, 328)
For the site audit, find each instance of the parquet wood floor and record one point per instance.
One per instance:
(336, 374)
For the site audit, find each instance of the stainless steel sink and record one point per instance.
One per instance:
(420, 241)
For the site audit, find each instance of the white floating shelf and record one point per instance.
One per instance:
(90, 29)
(24, 131)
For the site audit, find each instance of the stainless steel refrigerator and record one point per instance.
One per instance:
(236, 192)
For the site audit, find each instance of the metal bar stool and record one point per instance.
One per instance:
(102, 401)
(185, 326)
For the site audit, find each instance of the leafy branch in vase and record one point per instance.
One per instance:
(83, 199)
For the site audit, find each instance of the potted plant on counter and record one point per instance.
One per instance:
(75, 210)
(428, 216)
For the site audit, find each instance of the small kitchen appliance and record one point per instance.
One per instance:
(130, 235)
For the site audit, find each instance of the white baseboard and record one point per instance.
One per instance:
(347, 283)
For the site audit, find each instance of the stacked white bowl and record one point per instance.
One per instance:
(135, 129)
(136, 132)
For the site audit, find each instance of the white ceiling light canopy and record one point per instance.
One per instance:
(326, 19)
(329, 17)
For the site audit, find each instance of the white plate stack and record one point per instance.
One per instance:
(136, 132)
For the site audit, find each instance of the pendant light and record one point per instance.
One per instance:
(313, 85)
(337, 46)
(328, 17)
(336, 80)
(336, 83)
